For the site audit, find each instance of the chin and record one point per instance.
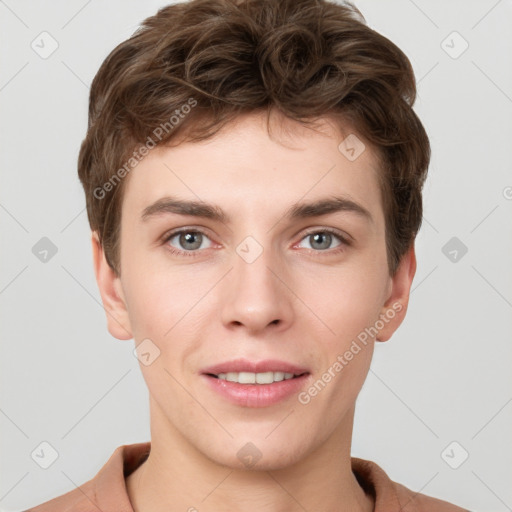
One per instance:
(259, 455)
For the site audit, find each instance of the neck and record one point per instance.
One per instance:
(177, 477)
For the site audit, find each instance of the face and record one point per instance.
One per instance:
(269, 280)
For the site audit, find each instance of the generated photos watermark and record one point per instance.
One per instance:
(144, 149)
(343, 359)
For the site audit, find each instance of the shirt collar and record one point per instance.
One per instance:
(111, 493)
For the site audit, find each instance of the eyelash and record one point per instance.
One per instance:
(344, 241)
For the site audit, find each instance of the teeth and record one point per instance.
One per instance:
(255, 378)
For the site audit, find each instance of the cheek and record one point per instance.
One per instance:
(356, 301)
(345, 301)
(159, 294)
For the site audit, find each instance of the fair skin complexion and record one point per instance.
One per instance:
(303, 300)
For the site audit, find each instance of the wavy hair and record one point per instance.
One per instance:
(304, 58)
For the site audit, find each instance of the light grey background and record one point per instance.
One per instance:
(446, 374)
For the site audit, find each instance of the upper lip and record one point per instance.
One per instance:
(244, 365)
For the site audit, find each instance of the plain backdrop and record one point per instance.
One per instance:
(439, 391)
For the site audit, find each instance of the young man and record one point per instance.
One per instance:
(253, 173)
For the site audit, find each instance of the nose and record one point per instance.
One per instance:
(256, 294)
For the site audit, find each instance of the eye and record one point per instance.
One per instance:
(321, 240)
(187, 240)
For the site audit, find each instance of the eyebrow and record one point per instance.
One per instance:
(324, 206)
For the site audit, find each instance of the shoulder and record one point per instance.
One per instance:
(414, 501)
(105, 492)
(81, 499)
(391, 496)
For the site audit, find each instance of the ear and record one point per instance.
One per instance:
(395, 307)
(109, 284)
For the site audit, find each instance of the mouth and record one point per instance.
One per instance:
(256, 378)
(258, 370)
(256, 384)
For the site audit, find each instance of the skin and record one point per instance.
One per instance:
(216, 306)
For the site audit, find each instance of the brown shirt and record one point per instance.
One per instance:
(106, 492)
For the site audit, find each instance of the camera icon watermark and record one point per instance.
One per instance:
(454, 249)
(44, 455)
(454, 455)
(454, 45)
(146, 352)
(249, 249)
(44, 45)
(352, 147)
(44, 250)
(249, 455)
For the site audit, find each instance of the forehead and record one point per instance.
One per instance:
(246, 169)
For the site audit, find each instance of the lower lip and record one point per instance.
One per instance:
(256, 395)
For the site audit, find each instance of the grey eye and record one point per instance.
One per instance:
(188, 240)
(321, 240)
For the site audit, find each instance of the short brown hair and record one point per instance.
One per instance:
(215, 59)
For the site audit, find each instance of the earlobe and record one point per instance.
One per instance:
(395, 307)
(112, 296)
